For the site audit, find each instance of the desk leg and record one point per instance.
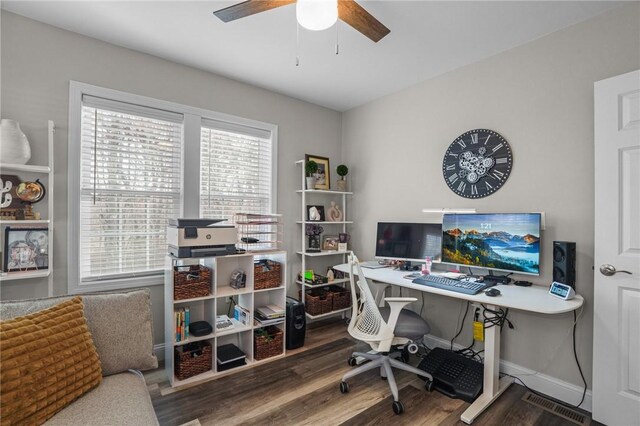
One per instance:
(493, 386)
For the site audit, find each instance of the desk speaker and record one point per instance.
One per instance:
(564, 263)
(296, 324)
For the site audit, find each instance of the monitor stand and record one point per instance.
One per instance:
(406, 266)
(496, 279)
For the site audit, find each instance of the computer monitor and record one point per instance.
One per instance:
(498, 241)
(408, 241)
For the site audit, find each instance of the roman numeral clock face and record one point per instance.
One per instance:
(477, 163)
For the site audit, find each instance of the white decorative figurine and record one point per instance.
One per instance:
(5, 194)
(335, 215)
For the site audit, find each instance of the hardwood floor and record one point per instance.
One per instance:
(302, 389)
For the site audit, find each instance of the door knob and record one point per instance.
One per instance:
(609, 270)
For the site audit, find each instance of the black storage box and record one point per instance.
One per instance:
(230, 356)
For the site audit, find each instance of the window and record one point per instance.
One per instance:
(235, 170)
(128, 175)
(130, 185)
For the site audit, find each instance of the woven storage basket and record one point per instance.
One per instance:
(341, 297)
(318, 301)
(190, 283)
(266, 274)
(192, 359)
(264, 347)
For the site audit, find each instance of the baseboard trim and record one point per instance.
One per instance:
(159, 351)
(548, 385)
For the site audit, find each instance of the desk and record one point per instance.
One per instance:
(530, 299)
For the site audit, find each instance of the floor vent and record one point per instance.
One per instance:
(557, 409)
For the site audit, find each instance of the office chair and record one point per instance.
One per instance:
(384, 329)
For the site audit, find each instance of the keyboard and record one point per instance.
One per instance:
(459, 286)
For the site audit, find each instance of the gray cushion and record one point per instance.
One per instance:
(121, 399)
(120, 324)
(409, 325)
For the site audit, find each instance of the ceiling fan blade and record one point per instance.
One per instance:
(356, 16)
(249, 7)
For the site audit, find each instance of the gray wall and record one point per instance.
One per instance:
(38, 61)
(540, 98)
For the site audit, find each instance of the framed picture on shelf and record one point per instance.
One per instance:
(315, 213)
(330, 242)
(323, 174)
(26, 249)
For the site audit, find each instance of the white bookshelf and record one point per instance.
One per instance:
(206, 308)
(324, 257)
(29, 172)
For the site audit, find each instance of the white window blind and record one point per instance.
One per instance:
(130, 185)
(236, 170)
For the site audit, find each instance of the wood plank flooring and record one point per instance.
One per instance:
(302, 389)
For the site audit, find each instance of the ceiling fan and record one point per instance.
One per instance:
(313, 14)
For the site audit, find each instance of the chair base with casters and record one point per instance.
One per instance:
(384, 329)
(384, 362)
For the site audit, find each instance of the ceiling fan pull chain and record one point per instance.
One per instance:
(337, 38)
(297, 44)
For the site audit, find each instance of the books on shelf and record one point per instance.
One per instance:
(181, 320)
(270, 311)
(269, 315)
(260, 322)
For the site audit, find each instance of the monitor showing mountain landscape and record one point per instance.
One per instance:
(499, 241)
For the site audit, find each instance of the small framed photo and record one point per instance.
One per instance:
(26, 249)
(330, 242)
(323, 175)
(315, 213)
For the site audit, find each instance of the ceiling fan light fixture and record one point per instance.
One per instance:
(317, 15)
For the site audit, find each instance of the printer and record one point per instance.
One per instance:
(201, 237)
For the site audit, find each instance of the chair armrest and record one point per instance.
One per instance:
(395, 306)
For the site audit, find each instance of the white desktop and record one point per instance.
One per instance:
(501, 242)
(530, 299)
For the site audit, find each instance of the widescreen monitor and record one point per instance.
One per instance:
(408, 241)
(498, 241)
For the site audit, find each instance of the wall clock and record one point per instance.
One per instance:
(477, 163)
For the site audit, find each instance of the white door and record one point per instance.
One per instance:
(616, 323)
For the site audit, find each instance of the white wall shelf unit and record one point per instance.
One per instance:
(318, 197)
(206, 308)
(30, 172)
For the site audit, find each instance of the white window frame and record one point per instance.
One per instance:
(190, 199)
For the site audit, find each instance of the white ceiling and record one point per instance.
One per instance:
(427, 39)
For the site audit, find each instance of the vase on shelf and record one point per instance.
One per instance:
(342, 185)
(311, 182)
(14, 146)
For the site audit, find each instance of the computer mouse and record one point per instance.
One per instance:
(492, 292)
